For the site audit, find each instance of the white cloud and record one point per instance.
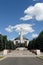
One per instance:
(9, 28)
(26, 17)
(35, 0)
(27, 28)
(34, 35)
(12, 39)
(35, 11)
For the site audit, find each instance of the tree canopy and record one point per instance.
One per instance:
(37, 43)
(5, 44)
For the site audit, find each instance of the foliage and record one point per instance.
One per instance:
(5, 44)
(37, 43)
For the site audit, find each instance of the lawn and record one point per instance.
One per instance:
(41, 57)
(1, 57)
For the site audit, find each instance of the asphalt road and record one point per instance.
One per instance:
(21, 61)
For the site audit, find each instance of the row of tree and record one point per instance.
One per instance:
(5, 44)
(37, 43)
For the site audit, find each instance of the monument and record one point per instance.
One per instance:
(21, 41)
(21, 35)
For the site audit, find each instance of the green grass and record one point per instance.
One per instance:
(41, 57)
(1, 57)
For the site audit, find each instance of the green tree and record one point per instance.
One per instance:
(1, 42)
(32, 44)
(37, 43)
(4, 42)
(40, 41)
(10, 45)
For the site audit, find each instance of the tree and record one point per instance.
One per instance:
(40, 41)
(10, 45)
(4, 42)
(32, 44)
(1, 42)
(37, 43)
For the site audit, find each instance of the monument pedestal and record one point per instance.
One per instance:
(5, 52)
(21, 49)
(38, 52)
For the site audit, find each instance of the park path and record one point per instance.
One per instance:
(22, 53)
(21, 61)
(21, 58)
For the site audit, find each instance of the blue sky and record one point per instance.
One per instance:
(11, 12)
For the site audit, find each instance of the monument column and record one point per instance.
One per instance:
(21, 35)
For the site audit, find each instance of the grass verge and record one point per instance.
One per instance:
(41, 57)
(1, 57)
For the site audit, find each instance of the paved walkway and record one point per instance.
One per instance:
(17, 53)
(21, 61)
(21, 58)
(25, 53)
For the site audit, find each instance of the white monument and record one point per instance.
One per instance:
(38, 52)
(21, 39)
(21, 35)
(5, 52)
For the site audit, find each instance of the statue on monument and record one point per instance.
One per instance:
(21, 35)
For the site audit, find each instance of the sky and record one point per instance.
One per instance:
(16, 14)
